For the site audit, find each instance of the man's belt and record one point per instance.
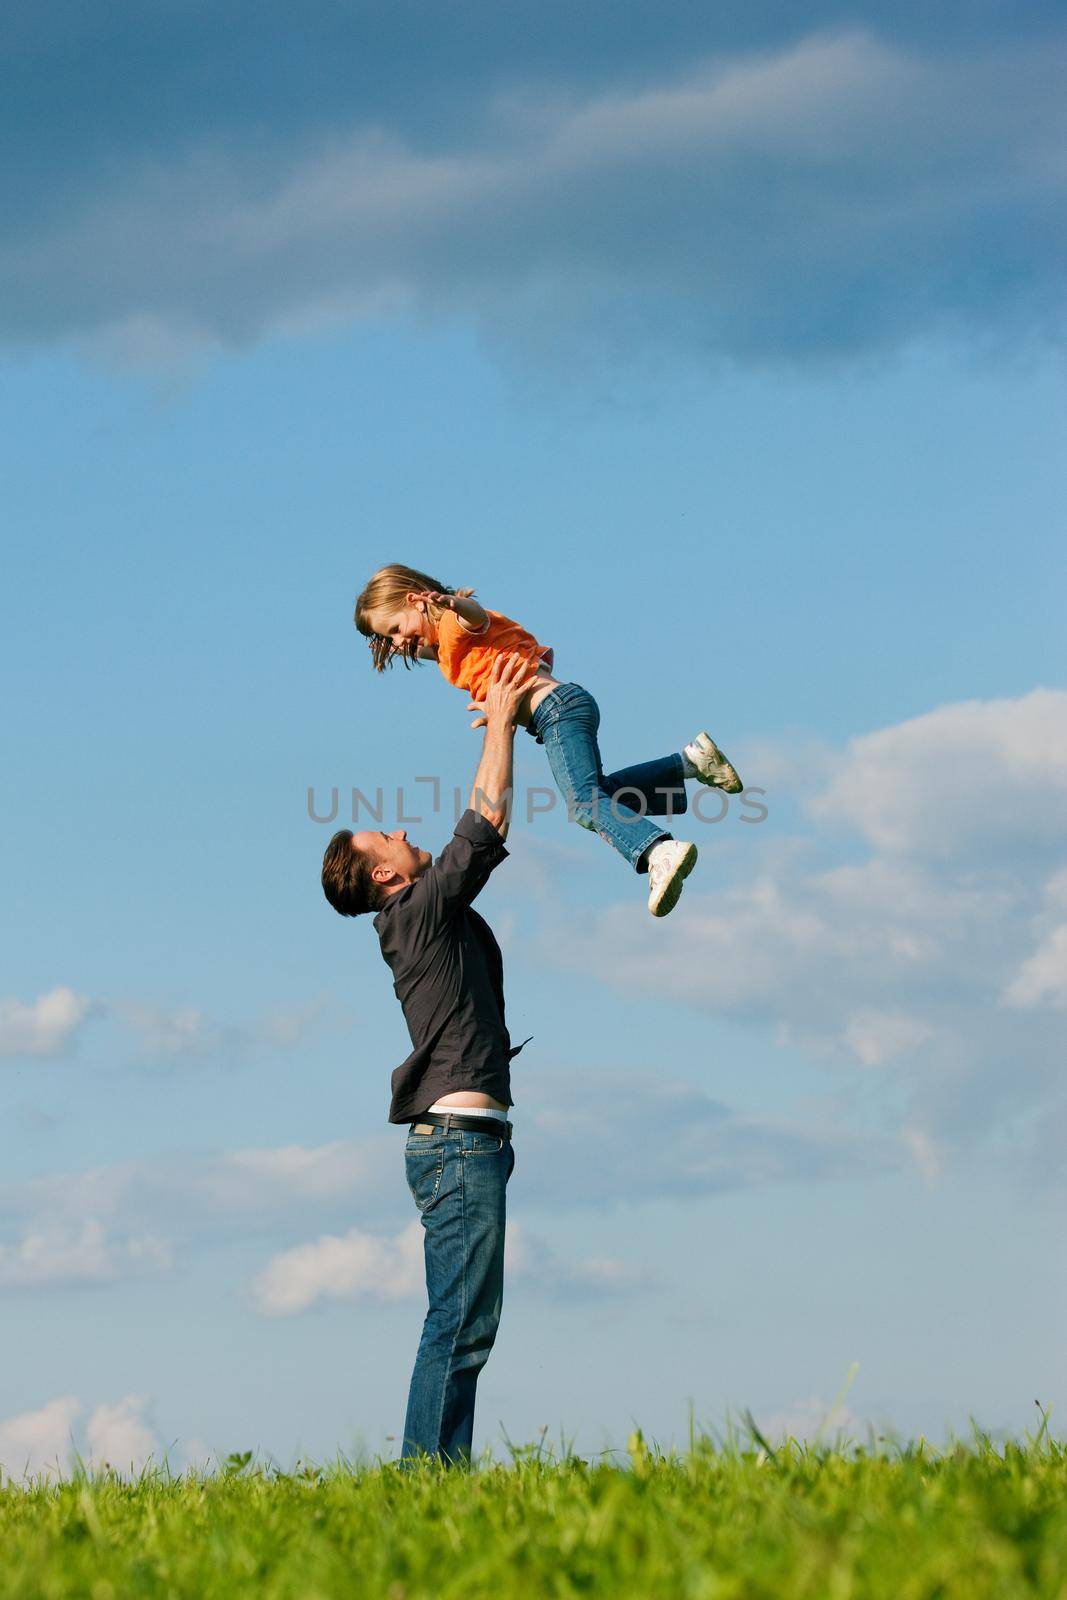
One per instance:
(429, 1120)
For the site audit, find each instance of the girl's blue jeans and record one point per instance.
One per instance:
(458, 1180)
(617, 805)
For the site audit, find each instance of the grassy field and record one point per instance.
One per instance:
(716, 1523)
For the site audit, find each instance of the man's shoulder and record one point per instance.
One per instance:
(473, 826)
(444, 890)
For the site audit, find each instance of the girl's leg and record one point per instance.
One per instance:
(661, 784)
(569, 734)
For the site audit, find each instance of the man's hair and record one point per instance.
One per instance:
(346, 877)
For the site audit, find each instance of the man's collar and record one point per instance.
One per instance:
(391, 899)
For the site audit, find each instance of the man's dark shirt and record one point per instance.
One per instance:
(449, 976)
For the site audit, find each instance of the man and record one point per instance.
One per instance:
(454, 1089)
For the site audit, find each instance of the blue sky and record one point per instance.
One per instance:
(726, 353)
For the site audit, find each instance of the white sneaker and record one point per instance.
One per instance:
(669, 862)
(711, 765)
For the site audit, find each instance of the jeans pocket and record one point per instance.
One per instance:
(577, 707)
(423, 1169)
(558, 702)
(485, 1144)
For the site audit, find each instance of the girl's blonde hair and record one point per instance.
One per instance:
(389, 589)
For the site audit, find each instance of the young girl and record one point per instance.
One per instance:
(407, 614)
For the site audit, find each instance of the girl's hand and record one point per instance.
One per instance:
(430, 597)
(436, 599)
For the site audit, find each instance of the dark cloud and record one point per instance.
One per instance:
(659, 1137)
(847, 178)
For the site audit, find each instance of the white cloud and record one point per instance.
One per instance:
(51, 1024)
(284, 1027)
(116, 1220)
(46, 1026)
(355, 1266)
(44, 1442)
(877, 1037)
(359, 1266)
(53, 1252)
(324, 1171)
(39, 1442)
(197, 1457)
(119, 1437)
(833, 955)
(902, 959)
(175, 1034)
(1042, 977)
(924, 1152)
(112, 1222)
(809, 1421)
(609, 1275)
(980, 773)
(532, 1263)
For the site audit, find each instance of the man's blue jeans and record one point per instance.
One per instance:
(458, 1180)
(616, 806)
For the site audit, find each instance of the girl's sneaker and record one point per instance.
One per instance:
(669, 862)
(710, 765)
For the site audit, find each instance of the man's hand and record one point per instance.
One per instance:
(511, 680)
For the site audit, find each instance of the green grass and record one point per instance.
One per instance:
(721, 1522)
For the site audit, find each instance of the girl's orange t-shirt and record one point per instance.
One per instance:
(466, 659)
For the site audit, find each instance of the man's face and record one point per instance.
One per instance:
(393, 852)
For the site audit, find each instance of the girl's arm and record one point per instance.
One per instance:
(473, 617)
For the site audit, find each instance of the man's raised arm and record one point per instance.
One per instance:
(491, 796)
(463, 868)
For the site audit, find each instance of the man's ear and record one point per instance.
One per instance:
(381, 873)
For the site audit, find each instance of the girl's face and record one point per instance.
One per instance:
(406, 626)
